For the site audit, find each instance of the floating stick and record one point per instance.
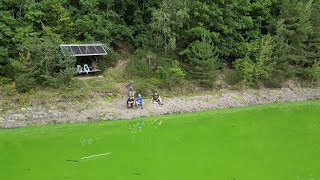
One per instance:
(96, 155)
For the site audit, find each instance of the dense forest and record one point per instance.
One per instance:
(254, 42)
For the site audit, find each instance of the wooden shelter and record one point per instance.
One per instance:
(86, 56)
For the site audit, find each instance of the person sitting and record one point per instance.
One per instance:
(156, 99)
(130, 102)
(139, 101)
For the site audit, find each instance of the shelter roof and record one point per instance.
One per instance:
(85, 49)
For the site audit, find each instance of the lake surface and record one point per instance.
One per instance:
(277, 141)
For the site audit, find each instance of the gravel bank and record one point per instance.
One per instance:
(116, 109)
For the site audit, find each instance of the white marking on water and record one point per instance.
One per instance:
(96, 155)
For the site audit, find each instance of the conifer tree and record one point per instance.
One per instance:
(297, 22)
(281, 50)
(203, 59)
(313, 46)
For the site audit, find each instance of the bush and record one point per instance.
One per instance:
(65, 77)
(172, 76)
(232, 77)
(103, 63)
(109, 60)
(161, 73)
(314, 72)
(137, 67)
(273, 82)
(141, 64)
(256, 66)
(4, 81)
(24, 83)
(146, 86)
(8, 89)
(175, 74)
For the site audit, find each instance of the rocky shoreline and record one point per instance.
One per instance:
(116, 110)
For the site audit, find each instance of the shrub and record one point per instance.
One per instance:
(4, 81)
(24, 83)
(172, 76)
(8, 89)
(142, 63)
(315, 72)
(273, 82)
(146, 86)
(256, 66)
(175, 75)
(246, 67)
(138, 67)
(232, 77)
(109, 60)
(161, 73)
(65, 77)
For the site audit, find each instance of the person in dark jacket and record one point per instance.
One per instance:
(130, 102)
(156, 99)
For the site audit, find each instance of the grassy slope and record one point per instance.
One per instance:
(84, 90)
(278, 141)
(79, 91)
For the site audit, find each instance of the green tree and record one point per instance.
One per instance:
(203, 61)
(6, 34)
(44, 63)
(296, 16)
(313, 46)
(281, 51)
(175, 74)
(169, 26)
(161, 22)
(257, 64)
(50, 66)
(172, 76)
(167, 21)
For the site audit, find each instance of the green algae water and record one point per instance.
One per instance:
(277, 141)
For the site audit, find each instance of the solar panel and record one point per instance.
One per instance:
(100, 49)
(85, 49)
(75, 50)
(92, 50)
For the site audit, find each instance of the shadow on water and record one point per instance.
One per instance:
(136, 173)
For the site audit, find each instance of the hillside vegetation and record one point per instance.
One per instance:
(173, 45)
